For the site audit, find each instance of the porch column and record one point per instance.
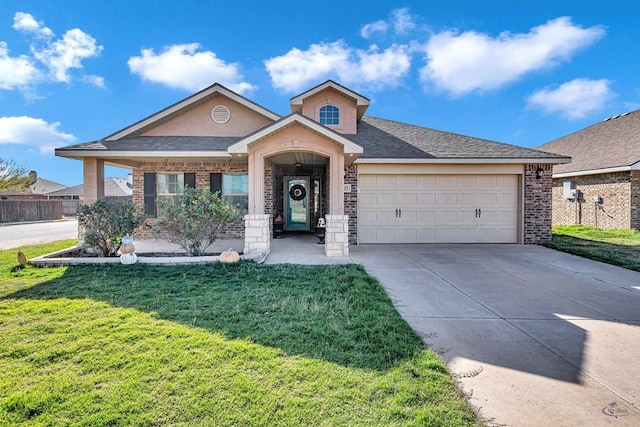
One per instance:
(256, 183)
(93, 180)
(336, 185)
(336, 239)
(257, 236)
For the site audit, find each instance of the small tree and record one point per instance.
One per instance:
(195, 219)
(14, 177)
(105, 222)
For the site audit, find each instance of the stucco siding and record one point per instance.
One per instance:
(347, 106)
(198, 121)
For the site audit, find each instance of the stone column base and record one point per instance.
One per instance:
(257, 236)
(336, 240)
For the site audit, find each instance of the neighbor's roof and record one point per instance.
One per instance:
(44, 186)
(383, 138)
(113, 187)
(609, 144)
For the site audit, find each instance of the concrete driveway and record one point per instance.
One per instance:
(536, 337)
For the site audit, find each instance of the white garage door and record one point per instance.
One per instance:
(438, 209)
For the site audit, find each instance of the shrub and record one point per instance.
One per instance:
(194, 220)
(105, 222)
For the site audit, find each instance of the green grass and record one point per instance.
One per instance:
(241, 344)
(617, 247)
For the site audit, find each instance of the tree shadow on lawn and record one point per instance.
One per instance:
(626, 256)
(334, 313)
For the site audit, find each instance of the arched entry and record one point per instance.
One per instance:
(298, 188)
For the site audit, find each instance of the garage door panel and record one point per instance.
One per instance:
(438, 208)
(407, 199)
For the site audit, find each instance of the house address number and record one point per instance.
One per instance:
(347, 188)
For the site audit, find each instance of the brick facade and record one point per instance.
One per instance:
(620, 207)
(202, 171)
(537, 206)
(351, 202)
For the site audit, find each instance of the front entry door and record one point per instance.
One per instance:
(296, 195)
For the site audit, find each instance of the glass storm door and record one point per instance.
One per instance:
(297, 203)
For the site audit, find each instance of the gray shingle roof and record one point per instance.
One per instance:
(439, 144)
(378, 143)
(380, 138)
(160, 143)
(614, 142)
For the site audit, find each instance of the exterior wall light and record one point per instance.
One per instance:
(539, 173)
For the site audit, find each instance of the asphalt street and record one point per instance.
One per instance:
(16, 235)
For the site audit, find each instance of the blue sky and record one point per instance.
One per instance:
(521, 72)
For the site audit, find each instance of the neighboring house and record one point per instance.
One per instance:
(601, 185)
(113, 187)
(36, 191)
(373, 180)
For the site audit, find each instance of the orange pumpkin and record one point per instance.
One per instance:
(127, 249)
(229, 256)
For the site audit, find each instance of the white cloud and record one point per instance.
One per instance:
(58, 56)
(27, 23)
(400, 20)
(462, 63)
(370, 29)
(34, 132)
(67, 53)
(15, 72)
(403, 21)
(181, 66)
(371, 68)
(575, 99)
(94, 80)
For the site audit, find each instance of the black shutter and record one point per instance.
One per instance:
(215, 182)
(150, 194)
(190, 180)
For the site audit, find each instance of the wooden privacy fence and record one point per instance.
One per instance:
(30, 210)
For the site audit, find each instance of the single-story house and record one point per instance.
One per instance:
(372, 180)
(601, 185)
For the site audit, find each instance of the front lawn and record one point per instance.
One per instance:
(617, 247)
(241, 344)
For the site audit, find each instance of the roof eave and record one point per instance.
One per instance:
(541, 160)
(75, 154)
(635, 166)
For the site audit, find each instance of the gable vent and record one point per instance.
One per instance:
(220, 114)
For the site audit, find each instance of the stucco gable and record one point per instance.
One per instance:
(242, 146)
(360, 102)
(192, 117)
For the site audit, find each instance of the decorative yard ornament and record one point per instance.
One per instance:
(128, 259)
(22, 259)
(127, 249)
(229, 256)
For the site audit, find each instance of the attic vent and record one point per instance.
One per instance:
(220, 114)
